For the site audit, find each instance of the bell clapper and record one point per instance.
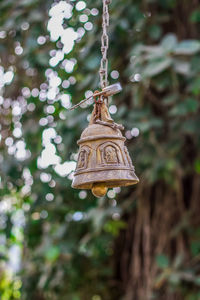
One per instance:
(99, 189)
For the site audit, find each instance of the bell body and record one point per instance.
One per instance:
(103, 159)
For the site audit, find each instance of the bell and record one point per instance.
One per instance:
(103, 159)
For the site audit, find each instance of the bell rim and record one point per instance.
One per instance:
(111, 178)
(111, 184)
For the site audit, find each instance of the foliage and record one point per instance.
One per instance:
(136, 243)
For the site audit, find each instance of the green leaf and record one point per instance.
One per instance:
(170, 99)
(162, 261)
(178, 261)
(195, 86)
(187, 47)
(153, 123)
(92, 62)
(189, 105)
(195, 247)
(195, 63)
(157, 66)
(169, 42)
(191, 126)
(114, 227)
(197, 280)
(181, 67)
(195, 16)
(152, 52)
(174, 278)
(197, 166)
(162, 82)
(155, 31)
(52, 253)
(42, 59)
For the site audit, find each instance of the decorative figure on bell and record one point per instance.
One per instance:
(103, 160)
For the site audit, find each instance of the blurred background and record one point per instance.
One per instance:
(136, 243)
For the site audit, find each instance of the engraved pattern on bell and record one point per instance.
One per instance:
(103, 160)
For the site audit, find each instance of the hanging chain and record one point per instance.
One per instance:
(103, 72)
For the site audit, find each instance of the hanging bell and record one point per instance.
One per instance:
(103, 159)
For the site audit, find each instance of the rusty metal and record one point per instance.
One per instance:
(106, 92)
(112, 89)
(103, 71)
(103, 159)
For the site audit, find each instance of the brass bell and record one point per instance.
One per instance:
(103, 159)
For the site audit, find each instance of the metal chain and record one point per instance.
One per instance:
(103, 72)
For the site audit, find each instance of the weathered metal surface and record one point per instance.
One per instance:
(103, 159)
(106, 92)
(112, 89)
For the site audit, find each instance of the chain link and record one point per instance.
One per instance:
(103, 72)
